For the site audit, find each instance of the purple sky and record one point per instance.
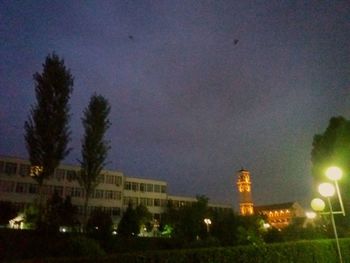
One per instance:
(189, 106)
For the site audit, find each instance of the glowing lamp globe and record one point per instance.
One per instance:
(318, 204)
(311, 215)
(334, 173)
(326, 189)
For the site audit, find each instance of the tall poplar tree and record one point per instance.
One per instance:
(94, 146)
(46, 130)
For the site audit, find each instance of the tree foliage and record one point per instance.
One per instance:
(60, 212)
(100, 224)
(46, 130)
(129, 224)
(331, 148)
(94, 146)
(187, 221)
(225, 227)
(7, 212)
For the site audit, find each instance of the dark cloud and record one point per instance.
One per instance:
(198, 89)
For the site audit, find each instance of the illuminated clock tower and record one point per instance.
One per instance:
(244, 187)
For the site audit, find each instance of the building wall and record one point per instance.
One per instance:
(113, 194)
(281, 215)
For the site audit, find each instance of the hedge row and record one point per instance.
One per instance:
(320, 251)
(19, 245)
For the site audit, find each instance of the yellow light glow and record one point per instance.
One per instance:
(334, 173)
(207, 221)
(326, 189)
(310, 215)
(318, 204)
(35, 170)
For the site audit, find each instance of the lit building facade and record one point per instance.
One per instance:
(281, 215)
(113, 193)
(244, 187)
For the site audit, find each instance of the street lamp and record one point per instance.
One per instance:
(207, 221)
(334, 173)
(328, 190)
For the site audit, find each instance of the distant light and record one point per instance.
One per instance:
(326, 189)
(310, 215)
(96, 227)
(334, 173)
(207, 221)
(114, 233)
(318, 204)
(266, 225)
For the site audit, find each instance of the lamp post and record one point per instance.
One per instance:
(328, 190)
(207, 221)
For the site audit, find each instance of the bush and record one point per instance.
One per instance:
(16, 245)
(81, 249)
(322, 251)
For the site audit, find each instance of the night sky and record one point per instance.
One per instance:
(198, 89)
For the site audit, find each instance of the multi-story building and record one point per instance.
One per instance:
(113, 193)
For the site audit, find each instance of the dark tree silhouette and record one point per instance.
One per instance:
(46, 130)
(129, 224)
(7, 212)
(332, 148)
(94, 146)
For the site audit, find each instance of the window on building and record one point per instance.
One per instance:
(10, 168)
(143, 187)
(33, 188)
(97, 194)
(163, 202)
(21, 188)
(77, 192)
(143, 201)
(130, 200)
(24, 170)
(156, 202)
(134, 186)
(149, 187)
(149, 202)
(163, 189)
(59, 174)
(110, 195)
(58, 190)
(2, 167)
(109, 179)
(7, 186)
(68, 191)
(127, 186)
(71, 175)
(157, 188)
(119, 181)
(101, 178)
